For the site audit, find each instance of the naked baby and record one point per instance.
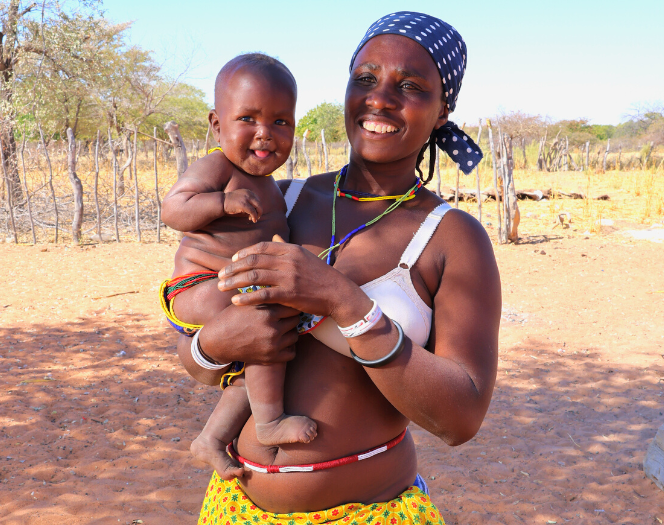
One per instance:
(224, 202)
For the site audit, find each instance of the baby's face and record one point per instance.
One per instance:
(254, 121)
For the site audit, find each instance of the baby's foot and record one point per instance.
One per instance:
(286, 429)
(213, 452)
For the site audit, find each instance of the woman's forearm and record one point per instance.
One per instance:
(433, 391)
(207, 377)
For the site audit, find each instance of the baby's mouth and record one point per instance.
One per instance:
(378, 127)
(262, 153)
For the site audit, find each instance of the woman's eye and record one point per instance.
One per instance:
(408, 85)
(365, 78)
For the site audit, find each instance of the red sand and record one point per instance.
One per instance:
(96, 413)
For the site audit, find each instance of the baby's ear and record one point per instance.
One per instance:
(215, 125)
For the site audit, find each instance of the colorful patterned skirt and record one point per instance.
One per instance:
(226, 504)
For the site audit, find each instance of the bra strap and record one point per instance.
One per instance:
(421, 239)
(292, 193)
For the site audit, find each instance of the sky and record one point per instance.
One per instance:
(592, 59)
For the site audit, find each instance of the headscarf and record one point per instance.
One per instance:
(448, 51)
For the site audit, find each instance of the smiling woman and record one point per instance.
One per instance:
(411, 293)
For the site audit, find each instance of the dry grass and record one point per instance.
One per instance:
(636, 197)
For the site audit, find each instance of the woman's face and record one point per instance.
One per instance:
(394, 99)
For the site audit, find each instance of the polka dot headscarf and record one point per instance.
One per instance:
(448, 51)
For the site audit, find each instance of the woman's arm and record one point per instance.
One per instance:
(270, 339)
(449, 386)
(446, 390)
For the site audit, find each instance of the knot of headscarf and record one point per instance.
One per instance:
(448, 51)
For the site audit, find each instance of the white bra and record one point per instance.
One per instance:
(394, 291)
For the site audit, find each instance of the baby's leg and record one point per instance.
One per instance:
(223, 426)
(265, 387)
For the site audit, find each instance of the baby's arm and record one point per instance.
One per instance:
(197, 198)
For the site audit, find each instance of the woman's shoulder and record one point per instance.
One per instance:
(315, 183)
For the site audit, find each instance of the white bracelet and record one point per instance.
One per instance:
(198, 357)
(365, 324)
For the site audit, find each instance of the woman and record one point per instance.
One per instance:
(431, 358)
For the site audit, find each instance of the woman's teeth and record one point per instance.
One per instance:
(378, 127)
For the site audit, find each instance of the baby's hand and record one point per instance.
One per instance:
(243, 202)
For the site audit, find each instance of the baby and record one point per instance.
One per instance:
(254, 122)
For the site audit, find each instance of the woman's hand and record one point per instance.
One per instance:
(296, 278)
(261, 334)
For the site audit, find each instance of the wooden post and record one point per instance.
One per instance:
(156, 184)
(645, 162)
(322, 138)
(137, 212)
(495, 182)
(539, 155)
(510, 193)
(115, 186)
(606, 154)
(523, 149)
(565, 154)
(10, 191)
(97, 187)
(27, 192)
(304, 150)
(50, 181)
(289, 167)
(618, 159)
(173, 131)
(587, 159)
(437, 169)
(319, 155)
(76, 186)
(207, 139)
(296, 172)
(477, 176)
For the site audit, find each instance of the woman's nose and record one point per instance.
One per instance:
(382, 97)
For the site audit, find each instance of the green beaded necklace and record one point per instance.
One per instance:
(390, 208)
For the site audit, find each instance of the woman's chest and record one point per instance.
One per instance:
(372, 255)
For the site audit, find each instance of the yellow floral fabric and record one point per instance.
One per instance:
(226, 504)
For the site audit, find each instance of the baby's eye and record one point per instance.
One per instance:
(245, 119)
(281, 122)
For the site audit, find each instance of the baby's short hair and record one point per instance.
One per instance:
(253, 61)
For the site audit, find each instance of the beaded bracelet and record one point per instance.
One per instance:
(394, 353)
(198, 356)
(365, 324)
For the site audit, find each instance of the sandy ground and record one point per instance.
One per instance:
(96, 414)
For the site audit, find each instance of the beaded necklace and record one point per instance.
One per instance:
(361, 196)
(399, 199)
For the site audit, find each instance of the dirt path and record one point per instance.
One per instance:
(96, 414)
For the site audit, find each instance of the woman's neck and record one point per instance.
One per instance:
(392, 178)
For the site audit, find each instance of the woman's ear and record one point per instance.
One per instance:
(443, 116)
(215, 125)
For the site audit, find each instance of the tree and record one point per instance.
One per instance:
(327, 116)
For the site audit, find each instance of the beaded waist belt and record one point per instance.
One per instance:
(273, 469)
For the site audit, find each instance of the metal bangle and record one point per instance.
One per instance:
(394, 353)
(197, 355)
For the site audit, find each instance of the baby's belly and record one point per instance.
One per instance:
(352, 417)
(213, 247)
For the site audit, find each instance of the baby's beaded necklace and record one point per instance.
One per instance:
(337, 193)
